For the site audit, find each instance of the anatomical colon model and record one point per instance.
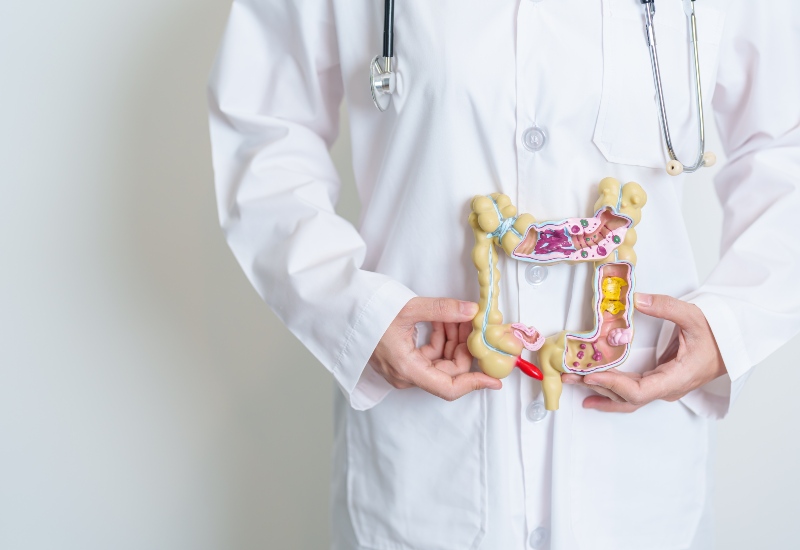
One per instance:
(606, 239)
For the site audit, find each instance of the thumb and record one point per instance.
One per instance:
(679, 312)
(445, 310)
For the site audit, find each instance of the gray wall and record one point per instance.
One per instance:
(148, 399)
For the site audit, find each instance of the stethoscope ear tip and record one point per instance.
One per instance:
(674, 168)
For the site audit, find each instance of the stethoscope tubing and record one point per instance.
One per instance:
(388, 29)
(649, 11)
(382, 81)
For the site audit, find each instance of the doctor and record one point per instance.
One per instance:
(537, 99)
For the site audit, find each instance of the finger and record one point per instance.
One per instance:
(451, 330)
(605, 404)
(463, 358)
(577, 380)
(438, 335)
(458, 365)
(445, 310)
(448, 367)
(631, 387)
(607, 394)
(685, 315)
(464, 330)
(435, 349)
(571, 379)
(449, 387)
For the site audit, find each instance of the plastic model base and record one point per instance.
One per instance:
(605, 239)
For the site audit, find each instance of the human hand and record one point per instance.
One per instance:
(442, 367)
(692, 360)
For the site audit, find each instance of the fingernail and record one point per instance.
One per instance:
(590, 382)
(643, 300)
(469, 308)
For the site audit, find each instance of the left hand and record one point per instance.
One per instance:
(690, 362)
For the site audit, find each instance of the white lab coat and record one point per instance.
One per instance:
(413, 472)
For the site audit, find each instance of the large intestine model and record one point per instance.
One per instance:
(606, 239)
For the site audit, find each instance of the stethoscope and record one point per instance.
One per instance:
(382, 78)
(382, 81)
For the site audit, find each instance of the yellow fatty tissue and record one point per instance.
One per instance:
(612, 289)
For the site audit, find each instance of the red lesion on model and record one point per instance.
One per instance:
(529, 368)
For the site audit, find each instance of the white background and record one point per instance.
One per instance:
(148, 399)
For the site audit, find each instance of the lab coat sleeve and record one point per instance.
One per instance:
(751, 299)
(274, 99)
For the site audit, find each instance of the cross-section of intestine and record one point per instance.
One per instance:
(613, 284)
(574, 239)
(529, 336)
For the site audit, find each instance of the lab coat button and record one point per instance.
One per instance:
(535, 274)
(534, 139)
(536, 412)
(538, 538)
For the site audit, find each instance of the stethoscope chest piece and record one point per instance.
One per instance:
(382, 82)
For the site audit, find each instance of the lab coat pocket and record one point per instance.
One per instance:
(416, 475)
(628, 130)
(638, 480)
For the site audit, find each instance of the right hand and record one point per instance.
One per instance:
(441, 368)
